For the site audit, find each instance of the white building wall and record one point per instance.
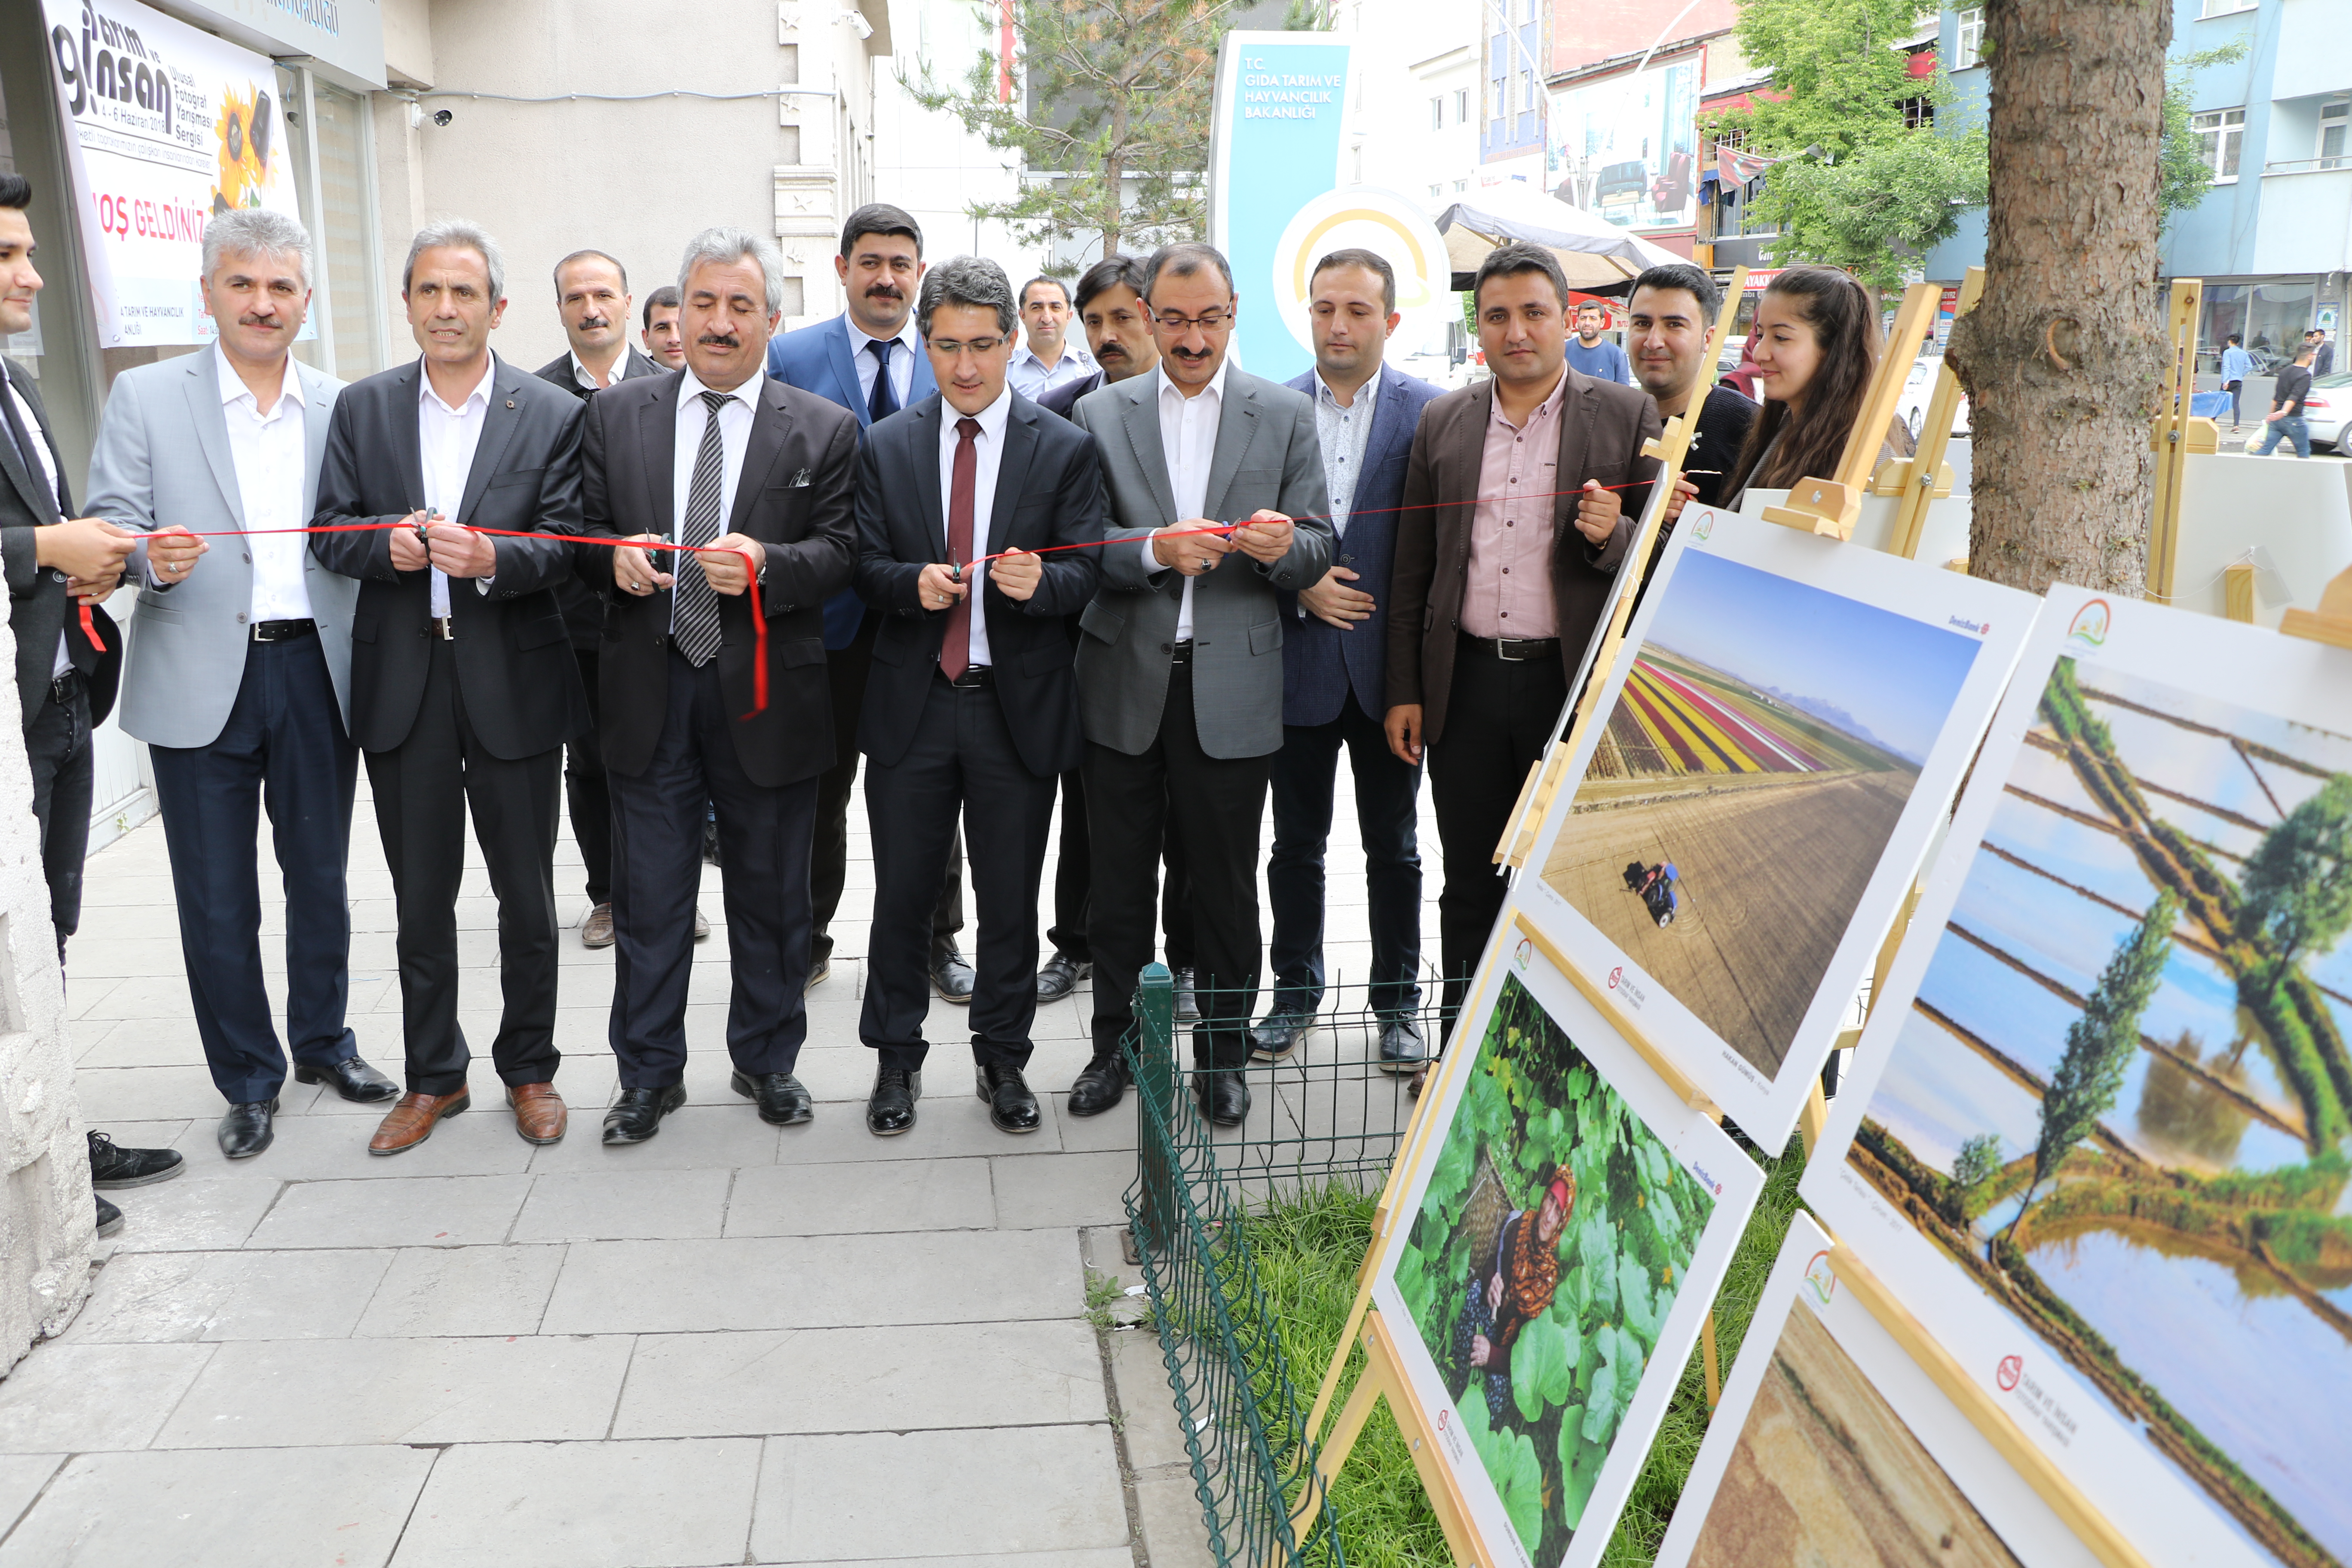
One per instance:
(1413, 51)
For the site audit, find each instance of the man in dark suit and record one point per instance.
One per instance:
(463, 684)
(1118, 333)
(1335, 674)
(1492, 598)
(972, 708)
(591, 295)
(1180, 673)
(720, 457)
(867, 361)
(54, 562)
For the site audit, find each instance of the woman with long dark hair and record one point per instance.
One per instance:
(1815, 344)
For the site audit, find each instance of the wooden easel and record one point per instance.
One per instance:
(2176, 434)
(1924, 476)
(2330, 623)
(1832, 506)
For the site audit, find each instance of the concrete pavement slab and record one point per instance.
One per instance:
(585, 1505)
(808, 1199)
(624, 1206)
(868, 1495)
(73, 1398)
(22, 1477)
(191, 1214)
(1075, 1190)
(434, 1291)
(185, 1296)
(421, 1211)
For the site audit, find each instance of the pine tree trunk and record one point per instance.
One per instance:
(2064, 356)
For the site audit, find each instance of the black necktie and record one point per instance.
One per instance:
(693, 607)
(885, 400)
(26, 452)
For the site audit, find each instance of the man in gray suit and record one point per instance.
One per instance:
(1180, 666)
(239, 671)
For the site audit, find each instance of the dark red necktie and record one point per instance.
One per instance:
(955, 652)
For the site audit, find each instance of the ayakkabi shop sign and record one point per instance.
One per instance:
(172, 125)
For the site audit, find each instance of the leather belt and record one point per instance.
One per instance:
(1515, 650)
(1182, 652)
(439, 627)
(65, 687)
(283, 631)
(975, 678)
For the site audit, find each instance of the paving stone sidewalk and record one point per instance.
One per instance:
(734, 1345)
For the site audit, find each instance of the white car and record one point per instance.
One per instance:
(2327, 410)
(1920, 385)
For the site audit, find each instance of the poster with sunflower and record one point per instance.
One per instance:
(1563, 1235)
(172, 126)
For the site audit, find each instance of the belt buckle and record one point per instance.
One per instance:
(1503, 651)
(441, 624)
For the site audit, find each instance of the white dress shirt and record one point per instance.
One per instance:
(988, 455)
(587, 378)
(902, 361)
(1188, 435)
(446, 435)
(1344, 430)
(1028, 376)
(270, 452)
(734, 439)
(48, 466)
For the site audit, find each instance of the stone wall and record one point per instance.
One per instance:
(47, 1217)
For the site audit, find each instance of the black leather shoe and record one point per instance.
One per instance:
(1272, 1037)
(1010, 1104)
(890, 1108)
(1187, 1006)
(819, 969)
(1224, 1097)
(1058, 976)
(782, 1102)
(637, 1115)
(112, 1166)
(354, 1079)
(110, 1218)
(247, 1130)
(1100, 1085)
(1402, 1049)
(953, 978)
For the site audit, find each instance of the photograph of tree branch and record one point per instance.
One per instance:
(2119, 1099)
(1552, 1238)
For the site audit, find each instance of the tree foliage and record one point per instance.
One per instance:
(2296, 889)
(2182, 176)
(1109, 112)
(2100, 1043)
(1855, 187)
(1974, 1170)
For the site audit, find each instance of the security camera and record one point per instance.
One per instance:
(442, 117)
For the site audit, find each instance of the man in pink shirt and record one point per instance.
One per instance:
(1509, 540)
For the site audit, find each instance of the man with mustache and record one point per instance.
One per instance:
(1048, 359)
(463, 684)
(869, 361)
(1118, 332)
(591, 295)
(663, 339)
(720, 457)
(239, 674)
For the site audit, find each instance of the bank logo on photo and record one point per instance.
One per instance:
(1821, 1278)
(2090, 624)
(2012, 1368)
(1616, 976)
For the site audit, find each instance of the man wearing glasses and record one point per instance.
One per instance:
(970, 710)
(1180, 666)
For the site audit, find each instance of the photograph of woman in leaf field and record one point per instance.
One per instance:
(1549, 1245)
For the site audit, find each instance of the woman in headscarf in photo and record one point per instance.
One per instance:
(1511, 1285)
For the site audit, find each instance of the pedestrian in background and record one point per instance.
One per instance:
(2285, 419)
(1048, 359)
(1594, 355)
(2236, 366)
(665, 343)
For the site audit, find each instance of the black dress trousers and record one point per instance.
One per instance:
(961, 765)
(764, 836)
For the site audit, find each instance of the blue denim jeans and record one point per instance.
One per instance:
(2295, 428)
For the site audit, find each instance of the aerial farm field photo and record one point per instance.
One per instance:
(1754, 767)
(2119, 1100)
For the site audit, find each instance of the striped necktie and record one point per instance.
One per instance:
(693, 607)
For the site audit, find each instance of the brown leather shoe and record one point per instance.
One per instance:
(597, 930)
(411, 1121)
(539, 1112)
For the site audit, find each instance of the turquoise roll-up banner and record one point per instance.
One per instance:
(1275, 144)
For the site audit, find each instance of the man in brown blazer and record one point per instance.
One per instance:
(1507, 544)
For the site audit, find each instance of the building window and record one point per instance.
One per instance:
(2220, 133)
(1918, 114)
(2334, 122)
(1437, 113)
(2225, 7)
(1438, 189)
(1461, 185)
(1461, 104)
(1967, 48)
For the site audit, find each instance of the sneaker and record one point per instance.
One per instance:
(110, 1218)
(701, 926)
(113, 1166)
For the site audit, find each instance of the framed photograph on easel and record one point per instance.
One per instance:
(2097, 1138)
(1554, 1254)
(1777, 751)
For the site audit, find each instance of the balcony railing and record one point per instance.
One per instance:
(2308, 165)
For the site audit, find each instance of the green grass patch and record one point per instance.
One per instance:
(1306, 1249)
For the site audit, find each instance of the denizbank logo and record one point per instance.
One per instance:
(2089, 626)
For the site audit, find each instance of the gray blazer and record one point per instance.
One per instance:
(1266, 456)
(163, 460)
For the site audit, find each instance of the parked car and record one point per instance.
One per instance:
(2327, 410)
(1918, 388)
